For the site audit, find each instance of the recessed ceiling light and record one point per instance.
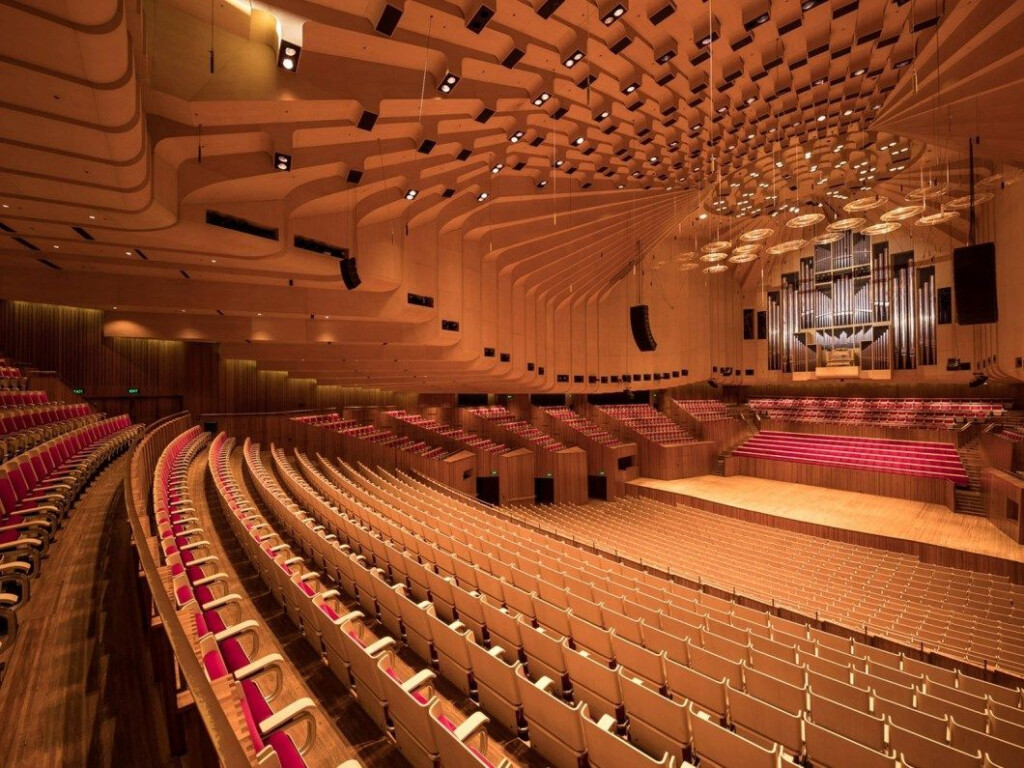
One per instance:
(630, 88)
(541, 99)
(821, 118)
(859, 72)
(282, 161)
(515, 137)
(288, 56)
(573, 59)
(213, 261)
(448, 82)
(91, 217)
(615, 13)
(56, 247)
(541, 184)
(411, 194)
(578, 140)
(497, 168)
(481, 197)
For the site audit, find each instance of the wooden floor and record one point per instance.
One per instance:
(916, 521)
(79, 685)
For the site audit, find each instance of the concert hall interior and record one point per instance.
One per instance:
(493, 383)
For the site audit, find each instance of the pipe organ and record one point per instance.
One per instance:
(853, 306)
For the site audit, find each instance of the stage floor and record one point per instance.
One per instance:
(931, 524)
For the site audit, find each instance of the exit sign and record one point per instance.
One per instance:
(78, 391)
(133, 390)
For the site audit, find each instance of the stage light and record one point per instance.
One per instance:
(288, 56)
(448, 83)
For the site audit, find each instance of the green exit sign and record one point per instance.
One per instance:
(78, 391)
(133, 390)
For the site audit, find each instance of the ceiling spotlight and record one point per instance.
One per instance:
(481, 197)
(574, 59)
(411, 194)
(615, 13)
(847, 112)
(750, 100)
(602, 116)
(756, 21)
(859, 72)
(821, 118)
(807, 5)
(541, 184)
(722, 109)
(558, 163)
(448, 83)
(497, 168)
(288, 56)
(578, 140)
(901, 64)
(630, 88)
(667, 56)
(282, 161)
(540, 100)
(515, 137)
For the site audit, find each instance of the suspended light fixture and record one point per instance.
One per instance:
(964, 203)
(742, 258)
(715, 269)
(902, 213)
(757, 235)
(828, 237)
(865, 203)
(748, 248)
(714, 256)
(881, 228)
(717, 245)
(928, 191)
(937, 218)
(688, 256)
(786, 247)
(688, 266)
(989, 181)
(845, 225)
(805, 220)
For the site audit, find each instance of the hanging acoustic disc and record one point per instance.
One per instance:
(714, 256)
(865, 204)
(964, 203)
(902, 213)
(742, 258)
(748, 248)
(714, 269)
(928, 191)
(717, 245)
(688, 256)
(756, 235)
(786, 247)
(844, 225)
(937, 218)
(687, 266)
(828, 237)
(881, 228)
(805, 220)
(989, 181)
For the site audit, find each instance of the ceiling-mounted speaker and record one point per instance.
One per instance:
(349, 273)
(482, 14)
(639, 322)
(974, 284)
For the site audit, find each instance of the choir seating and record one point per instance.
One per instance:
(884, 412)
(724, 646)
(649, 423)
(906, 457)
(705, 410)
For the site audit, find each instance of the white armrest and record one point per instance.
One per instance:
(418, 680)
(210, 579)
(471, 725)
(309, 575)
(329, 594)
(300, 710)
(424, 604)
(235, 630)
(495, 651)
(606, 723)
(545, 683)
(269, 663)
(374, 648)
(202, 560)
(220, 602)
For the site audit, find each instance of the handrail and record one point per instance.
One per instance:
(298, 411)
(138, 483)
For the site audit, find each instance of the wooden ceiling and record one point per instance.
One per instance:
(530, 188)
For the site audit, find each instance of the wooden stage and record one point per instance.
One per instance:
(931, 531)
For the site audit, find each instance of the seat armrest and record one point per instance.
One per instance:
(376, 647)
(419, 680)
(210, 579)
(471, 725)
(299, 711)
(271, 663)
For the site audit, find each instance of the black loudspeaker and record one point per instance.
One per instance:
(640, 322)
(974, 283)
(944, 306)
(349, 273)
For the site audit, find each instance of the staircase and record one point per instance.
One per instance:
(719, 466)
(969, 501)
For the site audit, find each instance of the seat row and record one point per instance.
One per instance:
(23, 428)
(960, 614)
(15, 398)
(226, 642)
(38, 488)
(939, 460)
(584, 426)
(705, 410)
(834, 682)
(518, 427)
(600, 693)
(336, 607)
(649, 423)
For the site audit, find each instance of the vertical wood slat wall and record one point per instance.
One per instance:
(170, 375)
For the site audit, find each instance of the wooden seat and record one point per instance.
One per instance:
(556, 730)
(606, 750)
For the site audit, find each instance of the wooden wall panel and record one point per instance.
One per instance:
(171, 375)
(932, 489)
(956, 437)
(1002, 491)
